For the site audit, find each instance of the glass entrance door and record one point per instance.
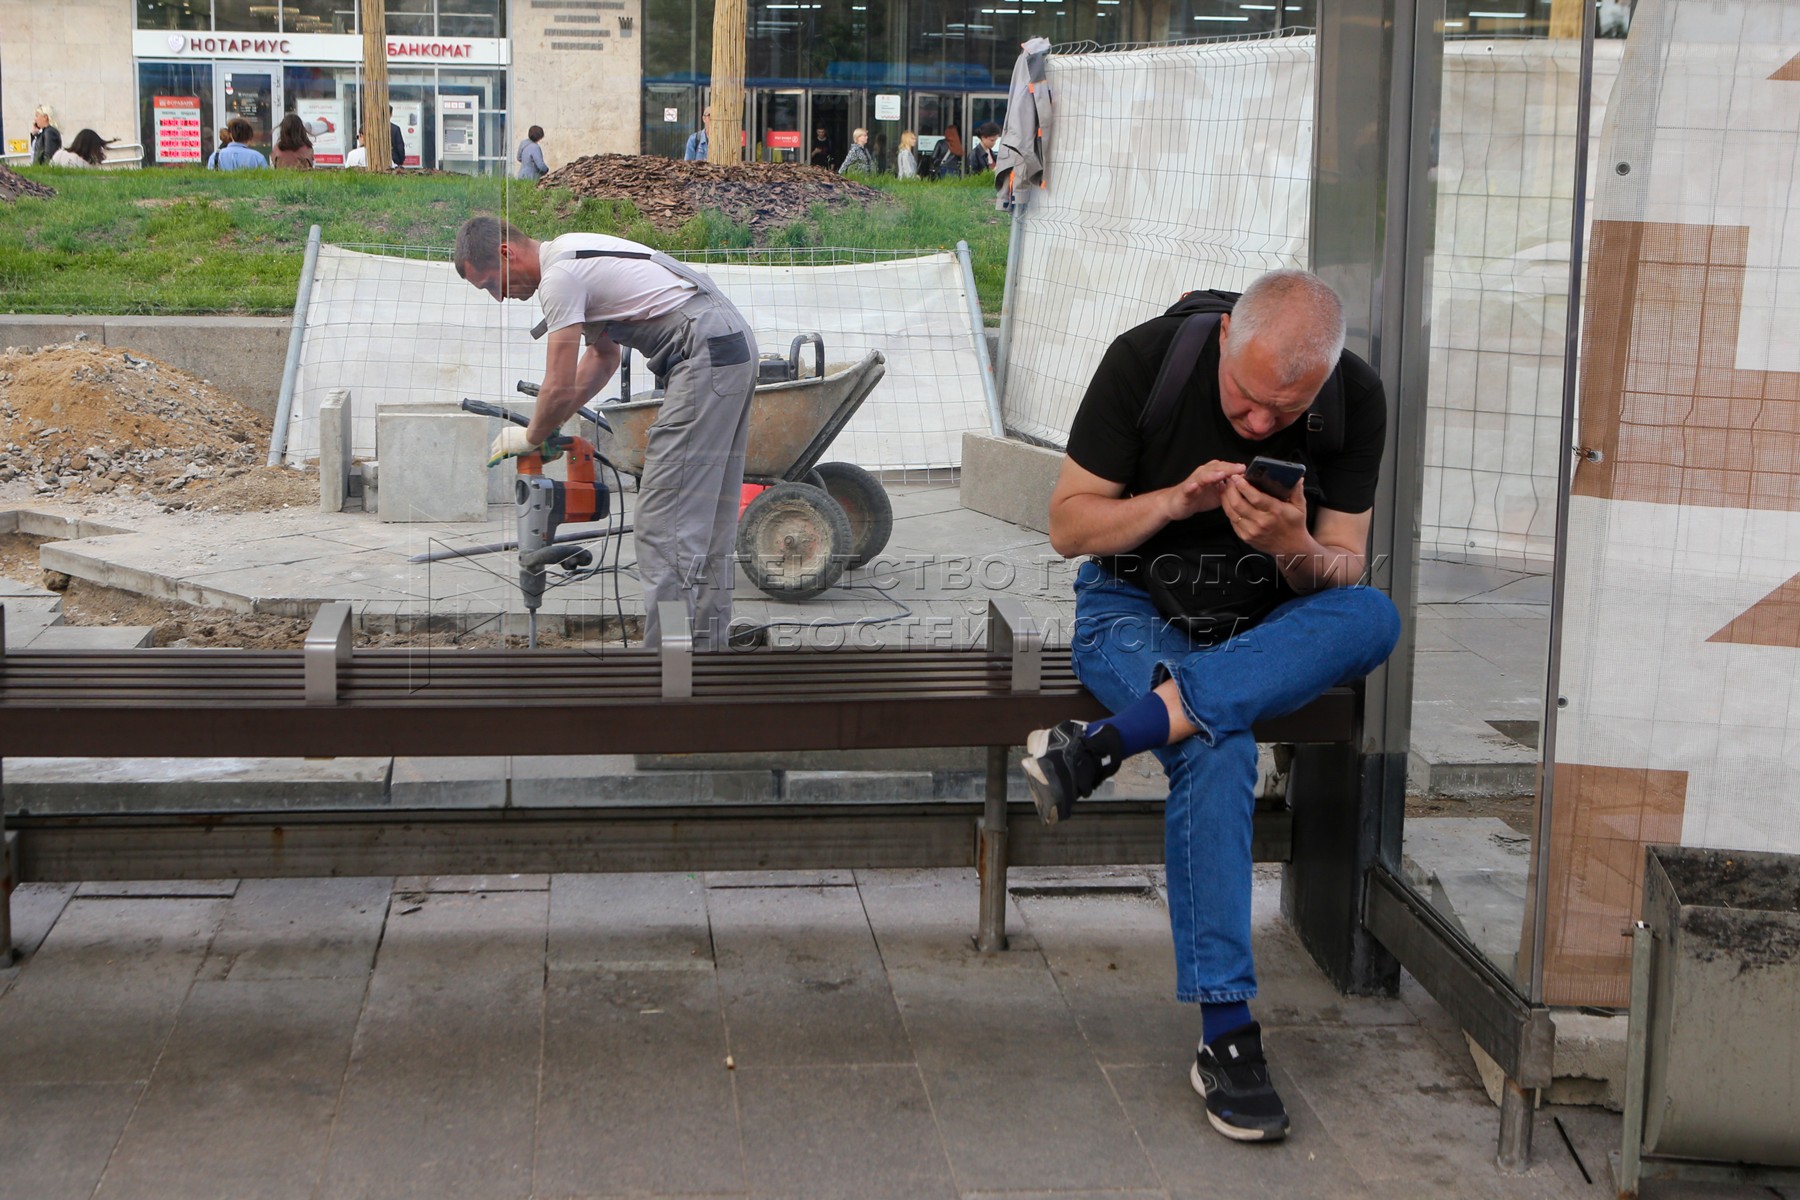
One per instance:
(933, 112)
(671, 116)
(251, 91)
(780, 118)
(834, 116)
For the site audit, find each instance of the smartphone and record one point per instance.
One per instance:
(1275, 476)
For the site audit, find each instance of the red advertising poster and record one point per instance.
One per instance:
(179, 135)
(783, 139)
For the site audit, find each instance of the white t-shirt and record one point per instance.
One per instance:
(588, 291)
(358, 157)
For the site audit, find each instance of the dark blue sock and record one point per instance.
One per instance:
(1143, 726)
(1219, 1019)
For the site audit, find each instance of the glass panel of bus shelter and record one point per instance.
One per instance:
(1503, 168)
(389, 323)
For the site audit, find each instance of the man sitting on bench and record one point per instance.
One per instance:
(1214, 596)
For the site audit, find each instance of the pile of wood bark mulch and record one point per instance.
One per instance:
(669, 192)
(13, 185)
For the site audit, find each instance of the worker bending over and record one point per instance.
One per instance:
(617, 293)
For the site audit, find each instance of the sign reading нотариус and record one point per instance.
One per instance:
(314, 47)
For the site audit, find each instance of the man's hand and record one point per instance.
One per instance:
(1202, 491)
(514, 442)
(1272, 524)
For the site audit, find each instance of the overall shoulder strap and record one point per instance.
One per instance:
(611, 254)
(1177, 368)
(1325, 419)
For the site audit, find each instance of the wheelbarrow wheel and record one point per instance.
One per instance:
(865, 502)
(794, 541)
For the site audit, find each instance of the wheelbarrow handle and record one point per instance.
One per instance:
(485, 409)
(532, 389)
(818, 345)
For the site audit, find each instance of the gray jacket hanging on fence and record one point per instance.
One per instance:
(1019, 154)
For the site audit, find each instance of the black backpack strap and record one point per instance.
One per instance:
(610, 254)
(1177, 368)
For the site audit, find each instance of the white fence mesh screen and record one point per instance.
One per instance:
(1170, 168)
(397, 330)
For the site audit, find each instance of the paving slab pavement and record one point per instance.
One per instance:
(795, 1034)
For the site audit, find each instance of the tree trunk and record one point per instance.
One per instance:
(1565, 17)
(725, 142)
(375, 85)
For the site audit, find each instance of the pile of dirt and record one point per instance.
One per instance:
(13, 185)
(669, 192)
(84, 419)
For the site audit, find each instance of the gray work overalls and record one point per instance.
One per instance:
(685, 526)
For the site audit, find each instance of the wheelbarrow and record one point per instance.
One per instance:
(813, 520)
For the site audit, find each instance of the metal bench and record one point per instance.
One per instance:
(327, 700)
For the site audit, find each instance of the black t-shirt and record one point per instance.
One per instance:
(1200, 565)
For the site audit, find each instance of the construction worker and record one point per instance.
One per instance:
(619, 294)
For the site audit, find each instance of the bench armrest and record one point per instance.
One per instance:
(327, 645)
(677, 650)
(1012, 630)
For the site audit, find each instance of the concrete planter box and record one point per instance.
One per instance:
(1716, 1012)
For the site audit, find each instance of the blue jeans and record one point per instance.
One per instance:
(1123, 648)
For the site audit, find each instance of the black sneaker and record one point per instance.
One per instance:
(1232, 1074)
(1063, 765)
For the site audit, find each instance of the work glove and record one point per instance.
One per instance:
(512, 443)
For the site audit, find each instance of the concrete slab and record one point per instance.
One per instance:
(244, 1093)
(851, 787)
(299, 929)
(27, 617)
(801, 980)
(634, 1043)
(334, 450)
(441, 1092)
(103, 991)
(95, 637)
(1009, 479)
(583, 780)
(818, 1133)
(464, 782)
(433, 466)
(69, 785)
(56, 1138)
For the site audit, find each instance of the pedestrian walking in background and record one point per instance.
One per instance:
(698, 140)
(981, 158)
(396, 143)
(293, 148)
(907, 162)
(531, 155)
(46, 138)
(947, 158)
(87, 150)
(821, 150)
(238, 156)
(212, 160)
(859, 161)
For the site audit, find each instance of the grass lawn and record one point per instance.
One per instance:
(193, 241)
